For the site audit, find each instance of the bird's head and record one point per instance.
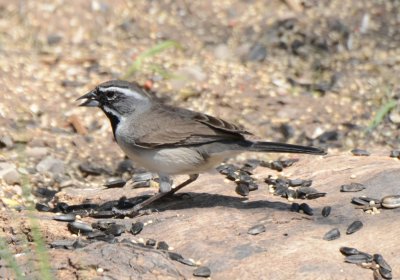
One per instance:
(117, 98)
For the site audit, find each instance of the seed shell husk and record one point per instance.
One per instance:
(306, 209)
(202, 271)
(354, 226)
(360, 152)
(349, 251)
(65, 217)
(326, 211)
(352, 187)
(378, 258)
(257, 229)
(332, 234)
(137, 228)
(391, 201)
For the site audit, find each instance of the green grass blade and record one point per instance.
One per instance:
(382, 112)
(6, 255)
(160, 47)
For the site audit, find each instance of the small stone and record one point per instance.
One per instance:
(37, 152)
(11, 176)
(52, 165)
(202, 271)
(332, 234)
(391, 201)
(6, 142)
(257, 229)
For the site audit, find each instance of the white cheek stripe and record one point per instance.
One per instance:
(113, 112)
(126, 91)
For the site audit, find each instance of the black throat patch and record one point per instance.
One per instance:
(114, 120)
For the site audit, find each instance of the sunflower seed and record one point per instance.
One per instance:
(115, 183)
(349, 251)
(326, 211)
(352, 187)
(332, 234)
(359, 258)
(295, 207)
(378, 258)
(115, 230)
(360, 152)
(137, 228)
(144, 176)
(79, 227)
(254, 230)
(151, 242)
(242, 189)
(354, 226)
(42, 208)
(296, 182)
(64, 218)
(202, 271)
(315, 195)
(395, 153)
(358, 201)
(306, 209)
(385, 273)
(162, 245)
(62, 244)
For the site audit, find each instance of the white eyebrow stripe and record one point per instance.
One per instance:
(125, 91)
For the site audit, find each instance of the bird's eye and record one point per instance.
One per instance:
(110, 95)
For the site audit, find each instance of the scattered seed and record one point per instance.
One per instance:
(296, 182)
(306, 209)
(95, 234)
(162, 245)
(352, 187)
(332, 234)
(115, 183)
(359, 258)
(62, 244)
(151, 242)
(242, 189)
(144, 176)
(137, 228)
(315, 195)
(395, 153)
(115, 229)
(253, 186)
(378, 258)
(326, 211)
(391, 201)
(360, 152)
(90, 169)
(61, 207)
(385, 273)
(42, 208)
(354, 226)
(188, 262)
(377, 275)
(359, 201)
(202, 271)
(79, 227)
(65, 218)
(295, 207)
(257, 229)
(175, 256)
(349, 251)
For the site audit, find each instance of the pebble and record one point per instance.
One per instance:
(52, 165)
(202, 271)
(391, 201)
(10, 175)
(257, 229)
(6, 142)
(37, 152)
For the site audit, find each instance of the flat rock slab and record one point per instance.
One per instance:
(211, 226)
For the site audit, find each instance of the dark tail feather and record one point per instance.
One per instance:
(274, 147)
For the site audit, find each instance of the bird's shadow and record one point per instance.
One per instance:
(206, 200)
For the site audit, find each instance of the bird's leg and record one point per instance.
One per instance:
(161, 194)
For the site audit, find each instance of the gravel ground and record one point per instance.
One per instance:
(309, 72)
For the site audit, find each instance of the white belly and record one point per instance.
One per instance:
(172, 161)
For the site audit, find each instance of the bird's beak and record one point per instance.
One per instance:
(91, 100)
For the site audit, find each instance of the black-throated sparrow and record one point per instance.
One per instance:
(170, 140)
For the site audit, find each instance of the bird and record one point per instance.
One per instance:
(169, 140)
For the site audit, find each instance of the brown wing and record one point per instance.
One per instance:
(175, 126)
